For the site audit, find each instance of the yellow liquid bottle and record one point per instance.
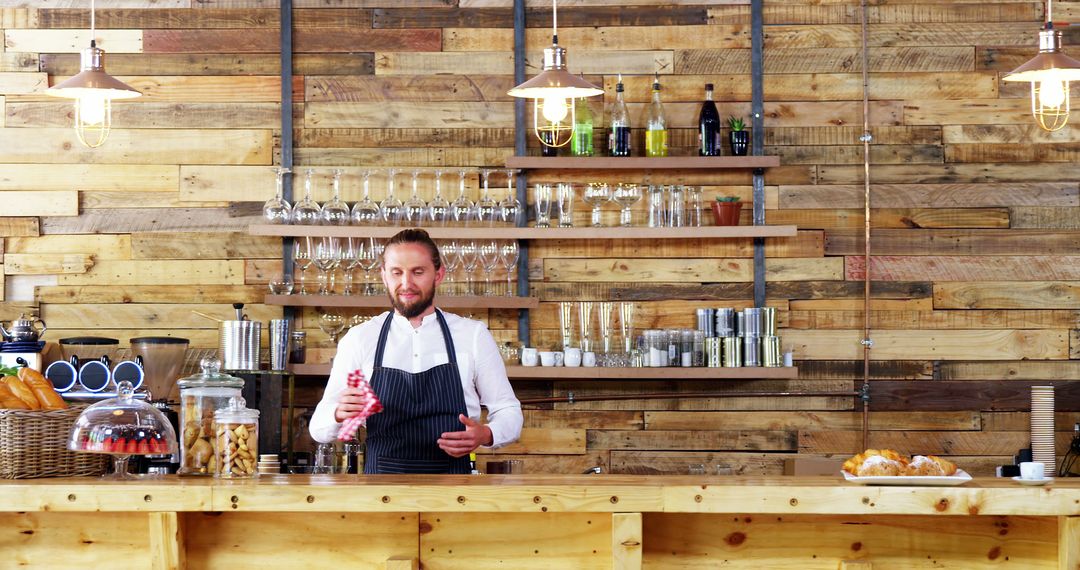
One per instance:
(656, 135)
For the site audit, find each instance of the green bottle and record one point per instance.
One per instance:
(582, 142)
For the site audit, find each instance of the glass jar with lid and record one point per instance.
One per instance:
(201, 396)
(236, 440)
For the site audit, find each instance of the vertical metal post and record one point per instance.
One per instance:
(287, 133)
(757, 112)
(521, 131)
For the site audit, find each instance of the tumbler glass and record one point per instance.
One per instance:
(565, 199)
(542, 199)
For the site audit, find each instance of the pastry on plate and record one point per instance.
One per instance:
(930, 465)
(876, 463)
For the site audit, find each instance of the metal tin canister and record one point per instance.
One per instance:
(732, 352)
(768, 321)
(725, 321)
(706, 321)
(712, 352)
(770, 352)
(740, 324)
(752, 318)
(751, 350)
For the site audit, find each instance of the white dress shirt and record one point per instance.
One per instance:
(483, 376)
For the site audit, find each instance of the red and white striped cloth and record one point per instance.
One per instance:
(371, 406)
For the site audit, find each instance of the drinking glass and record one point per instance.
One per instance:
(626, 325)
(302, 258)
(326, 257)
(509, 252)
(566, 326)
(596, 194)
(281, 284)
(626, 195)
(350, 259)
(332, 324)
(324, 459)
(469, 258)
(335, 212)
(486, 207)
(366, 212)
(367, 255)
(657, 207)
(438, 208)
(462, 207)
(542, 199)
(676, 208)
(693, 206)
(510, 207)
(415, 206)
(391, 207)
(565, 198)
(605, 309)
(276, 210)
(307, 212)
(585, 310)
(451, 259)
(488, 252)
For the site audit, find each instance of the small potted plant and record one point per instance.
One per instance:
(726, 210)
(739, 137)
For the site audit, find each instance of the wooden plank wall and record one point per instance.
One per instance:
(976, 211)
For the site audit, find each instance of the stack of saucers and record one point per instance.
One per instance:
(1042, 425)
(269, 464)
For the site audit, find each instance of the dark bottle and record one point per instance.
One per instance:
(619, 137)
(547, 138)
(709, 126)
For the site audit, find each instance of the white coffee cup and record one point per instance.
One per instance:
(547, 358)
(529, 357)
(572, 357)
(558, 358)
(1032, 470)
(588, 359)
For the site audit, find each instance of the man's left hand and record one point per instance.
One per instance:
(462, 443)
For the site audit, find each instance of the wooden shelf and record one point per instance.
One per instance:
(382, 302)
(641, 162)
(531, 233)
(581, 373)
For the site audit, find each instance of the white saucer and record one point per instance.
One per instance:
(1033, 482)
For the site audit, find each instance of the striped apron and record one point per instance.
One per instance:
(417, 409)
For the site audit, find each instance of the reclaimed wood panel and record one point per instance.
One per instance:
(148, 220)
(72, 41)
(889, 195)
(850, 219)
(147, 272)
(1019, 370)
(454, 115)
(19, 61)
(828, 60)
(345, 40)
(47, 263)
(22, 83)
(84, 177)
(103, 294)
(1043, 217)
(155, 115)
(969, 319)
(948, 173)
(1007, 295)
(962, 268)
(978, 242)
(925, 34)
(148, 315)
(419, 88)
(722, 270)
(723, 401)
(202, 245)
(39, 203)
(561, 540)
(176, 146)
(813, 421)
(144, 17)
(736, 440)
(19, 226)
(930, 344)
(600, 38)
(215, 64)
(102, 246)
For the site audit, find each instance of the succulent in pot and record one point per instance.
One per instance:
(726, 210)
(739, 137)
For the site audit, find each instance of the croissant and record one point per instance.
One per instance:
(876, 462)
(930, 465)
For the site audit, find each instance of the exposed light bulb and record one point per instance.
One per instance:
(555, 109)
(1052, 93)
(92, 109)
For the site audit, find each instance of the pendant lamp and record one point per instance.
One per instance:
(1049, 72)
(93, 91)
(553, 92)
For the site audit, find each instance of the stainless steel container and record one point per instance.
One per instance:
(751, 350)
(732, 352)
(768, 321)
(706, 321)
(713, 352)
(240, 341)
(740, 324)
(770, 352)
(725, 322)
(279, 343)
(752, 322)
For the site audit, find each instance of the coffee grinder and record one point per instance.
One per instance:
(163, 362)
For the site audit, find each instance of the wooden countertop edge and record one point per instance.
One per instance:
(539, 493)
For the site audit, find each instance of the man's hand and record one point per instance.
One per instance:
(350, 403)
(462, 443)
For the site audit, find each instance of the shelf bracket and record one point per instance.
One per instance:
(520, 148)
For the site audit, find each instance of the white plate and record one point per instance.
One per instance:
(1033, 482)
(959, 478)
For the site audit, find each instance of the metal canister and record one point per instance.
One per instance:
(725, 321)
(740, 324)
(768, 318)
(770, 352)
(706, 321)
(712, 352)
(751, 350)
(752, 318)
(732, 352)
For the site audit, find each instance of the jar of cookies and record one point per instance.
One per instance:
(236, 440)
(201, 396)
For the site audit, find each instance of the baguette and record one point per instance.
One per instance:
(9, 401)
(43, 389)
(21, 391)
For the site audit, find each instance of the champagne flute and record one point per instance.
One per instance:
(302, 258)
(510, 207)
(462, 207)
(327, 256)
(489, 260)
(469, 258)
(366, 212)
(307, 212)
(276, 210)
(391, 207)
(438, 208)
(335, 212)
(415, 206)
(509, 253)
(626, 195)
(486, 206)
(596, 194)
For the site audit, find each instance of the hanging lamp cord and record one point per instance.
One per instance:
(554, 21)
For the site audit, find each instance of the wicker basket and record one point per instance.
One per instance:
(34, 444)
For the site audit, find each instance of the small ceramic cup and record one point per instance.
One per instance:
(572, 357)
(588, 359)
(529, 357)
(558, 358)
(1032, 470)
(547, 358)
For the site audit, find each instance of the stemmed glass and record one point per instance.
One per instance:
(596, 194)
(332, 324)
(469, 258)
(626, 195)
(509, 253)
(335, 212)
(302, 258)
(438, 207)
(391, 207)
(276, 210)
(307, 212)
(510, 207)
(585, 309)
(326, 258)
(451, 260)
(542, 201)
(366, 212)
(350, 259)
(462, 207)
(489, 259)
(486, 206)
(367, 255)
(415, 206)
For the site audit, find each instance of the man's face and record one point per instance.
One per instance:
(410, 278)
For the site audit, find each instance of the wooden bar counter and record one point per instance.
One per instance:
(541, 521)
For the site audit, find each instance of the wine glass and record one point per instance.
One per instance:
(626, 195)
(391, 207)
(332, 324)
(326, 257)
(596, 194)
(488, 252)
(367, 256)
(366, 212)
(462, 207)
(350, 259)
(415, 206)
(276, 210)
(439, 208)
(335, 212)
(302, 258)
(469, 258)
(307, 212)
(486, 206)
(451, 258)
(509, 253)
(510, 207)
